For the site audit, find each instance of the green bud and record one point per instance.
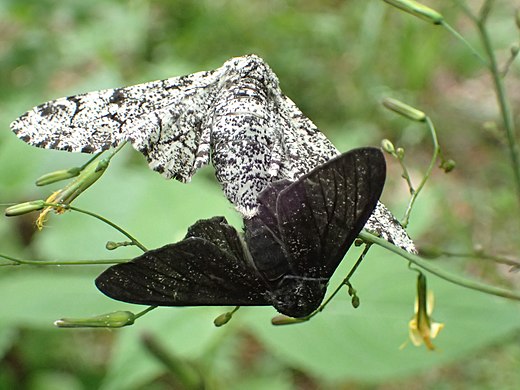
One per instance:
(57, 176)
(111, 245)
(223, 319)
(490, 126)
(404, 109)
(355, 301)
(24, 208)
(115, 319)
(388, 146)
(284, 320)
(400, 153)
(421, 11)
(88, 176)
(448, 165)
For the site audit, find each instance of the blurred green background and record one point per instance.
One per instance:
(336, 60)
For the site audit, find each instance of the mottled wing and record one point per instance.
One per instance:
(305, 146)
(206, 270)
(162, 119)
(383, 223)
(321, 214)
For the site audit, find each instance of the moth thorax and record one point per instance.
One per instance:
(298, 296)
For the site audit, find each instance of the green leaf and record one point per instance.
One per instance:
(7, 338)
(363, 344)
(187, 333)
(156, 211)
(39, 296)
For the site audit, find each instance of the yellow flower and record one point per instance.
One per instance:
(422, 328)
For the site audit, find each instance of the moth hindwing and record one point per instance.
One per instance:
(293, 246)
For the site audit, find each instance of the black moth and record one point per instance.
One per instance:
(286, 256)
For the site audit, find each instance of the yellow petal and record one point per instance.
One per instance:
(435, 329)
(430, 300)
(429, 344)
(415, 335)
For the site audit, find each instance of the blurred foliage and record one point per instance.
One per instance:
(336, 60)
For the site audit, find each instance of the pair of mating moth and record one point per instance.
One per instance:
(303, 202)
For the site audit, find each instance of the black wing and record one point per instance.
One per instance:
(263, 236)
(304, 228)
(321, 214)
(207, 268)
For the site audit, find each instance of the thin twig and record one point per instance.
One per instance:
(505, 109)
(435, 155)
(457, 35)
(58, 262)
(101, 218)
(484, 256)
(427, 266)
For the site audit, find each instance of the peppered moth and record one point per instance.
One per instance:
(236, 116)
(289, 251)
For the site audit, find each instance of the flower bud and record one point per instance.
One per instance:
(388, 146)
(88, 176)
(355, 301)
(448, 165)
(404, 109)
(24, 208)
(116, 319)
(223, 319)
(284, 320)
(422, 329)
(111, 245)
(57, 176)
(417, 9)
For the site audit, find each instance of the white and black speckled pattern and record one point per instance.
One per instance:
(236, 115)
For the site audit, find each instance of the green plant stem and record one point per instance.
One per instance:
(185, 372)
(145, 311)
(462, 5)
(457, 35)
(415, 192)
(406, 176)
(345, 282)
(509, 62)
(505, 109)
(74, 262)
(92, 159)
(116, 150)
(101, 218)
(111, 154)
(427, 266)
(485, 9)
(484, 256)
